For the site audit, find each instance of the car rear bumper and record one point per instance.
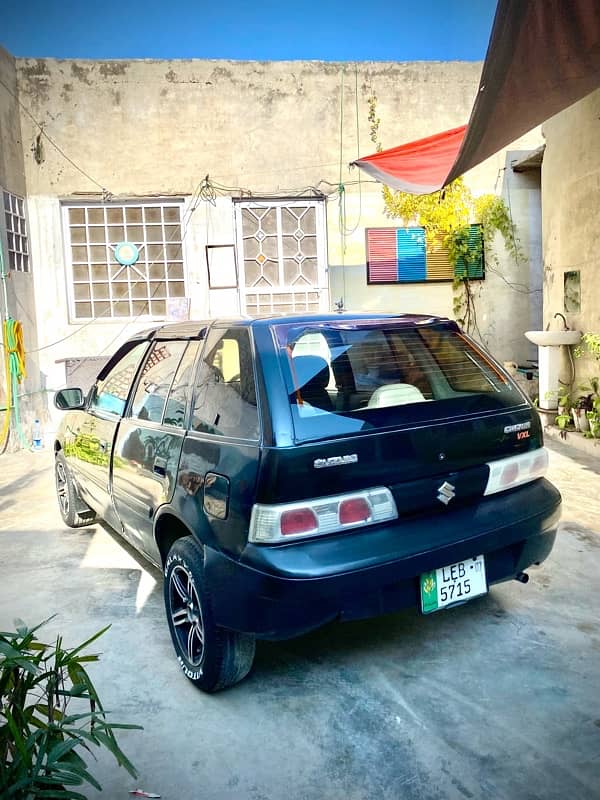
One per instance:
(280, 592)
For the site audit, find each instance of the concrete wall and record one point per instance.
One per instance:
(571, 218)
(156, 128)
(18, 285)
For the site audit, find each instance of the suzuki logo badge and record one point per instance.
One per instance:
(446, 493)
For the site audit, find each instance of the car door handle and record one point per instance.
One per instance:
(160, 466)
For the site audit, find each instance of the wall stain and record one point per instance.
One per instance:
(66, 92)
(35, 75)
(110, 69)
(222, 72)
(171, 76)
(81, 73)
(116, 94)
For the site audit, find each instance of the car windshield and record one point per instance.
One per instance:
(351, 376)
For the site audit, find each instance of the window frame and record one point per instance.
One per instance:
(160, 202)
(11, 252)
(267, 298)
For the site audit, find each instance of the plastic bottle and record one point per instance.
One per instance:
(37, 435)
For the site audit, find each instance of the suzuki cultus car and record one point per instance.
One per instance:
(286, 472)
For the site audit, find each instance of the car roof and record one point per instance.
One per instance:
(197, 329)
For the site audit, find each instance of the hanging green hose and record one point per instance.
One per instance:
(14, 366)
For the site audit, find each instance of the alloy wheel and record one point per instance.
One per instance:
(186, 615)
(62, 487)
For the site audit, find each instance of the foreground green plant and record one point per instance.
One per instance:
(41, 738)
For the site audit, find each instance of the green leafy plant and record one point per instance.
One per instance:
(49, 713)
(563, 421)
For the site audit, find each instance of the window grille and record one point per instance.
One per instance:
(16, 232)
(282, 255)
(100, 286)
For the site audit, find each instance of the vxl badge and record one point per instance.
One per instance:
(446, 493)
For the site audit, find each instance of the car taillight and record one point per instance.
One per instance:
(284, 521)
(355, 509)
(506, 473)
(300, 520)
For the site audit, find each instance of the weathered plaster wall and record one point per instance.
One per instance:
(571, 218)
(19, 286)
(143, 128)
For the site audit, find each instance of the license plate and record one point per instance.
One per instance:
(453, 584)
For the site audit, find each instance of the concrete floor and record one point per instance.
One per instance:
(499, 698)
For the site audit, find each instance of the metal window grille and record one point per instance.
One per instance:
(283, 255)
(102, 287)
(16, 232)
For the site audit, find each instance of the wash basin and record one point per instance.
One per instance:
(553, 338)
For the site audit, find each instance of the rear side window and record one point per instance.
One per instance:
(225, 395)
(354, 376)
(155, 380)
(181, 387)
(110, 393)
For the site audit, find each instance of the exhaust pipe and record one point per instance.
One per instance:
(522, 577)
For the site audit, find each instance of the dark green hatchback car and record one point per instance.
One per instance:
(288, 471)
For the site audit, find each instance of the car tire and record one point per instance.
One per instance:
(211, 657)
(75, 513)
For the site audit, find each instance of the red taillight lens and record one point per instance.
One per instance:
(298, 520)
(356, 509)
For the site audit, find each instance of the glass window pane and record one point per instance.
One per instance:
(155, 381)
(110, 393)
(81, 272)
(116, 234)
(77, 216)
(152, 214)
(154, 233)
(96, 235)
(175, 270)
(78, 235)
(180, 390)
(95, 216)
(171, 214)
(135, 234)
(133, 214)
(176, 289)
(114, 216)
(225, 396)
(83, 310)
(121, 309)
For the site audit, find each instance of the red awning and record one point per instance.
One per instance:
(543, 56)
(419, 167)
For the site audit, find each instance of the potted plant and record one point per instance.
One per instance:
(50, 718)
(564, 404)
(582, 405)
(593, 418)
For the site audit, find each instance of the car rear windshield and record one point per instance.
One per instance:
(352, 376)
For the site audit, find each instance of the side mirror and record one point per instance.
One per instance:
(69, 399)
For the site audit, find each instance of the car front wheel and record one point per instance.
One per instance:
(211, 657)
(73, 510)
